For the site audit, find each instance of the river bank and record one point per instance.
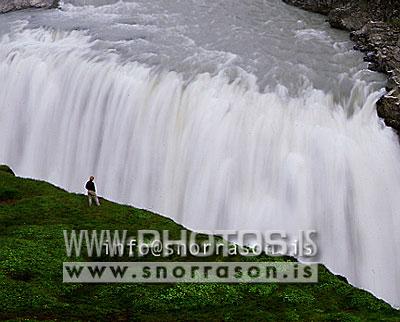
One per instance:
(33, 215)
(12, 5)
(375, 29)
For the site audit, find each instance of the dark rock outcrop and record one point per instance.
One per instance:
(352, 10)
(381, 43)
(11, 5)
(348, 17)
(318, 6)
(375, 28)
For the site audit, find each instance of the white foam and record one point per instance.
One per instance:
(209, 153)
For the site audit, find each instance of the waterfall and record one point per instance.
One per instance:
(210, 152)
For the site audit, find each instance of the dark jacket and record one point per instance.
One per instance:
(90, 186)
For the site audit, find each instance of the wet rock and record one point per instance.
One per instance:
(12, 5)
(319, 6)
(348, 17)
(388, 108)
(392, 83)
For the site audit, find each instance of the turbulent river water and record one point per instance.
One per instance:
(240, 114)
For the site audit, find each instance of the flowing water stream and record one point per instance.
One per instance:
(240, 114)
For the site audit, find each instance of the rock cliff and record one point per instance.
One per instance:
(11, 5)
(375, 28)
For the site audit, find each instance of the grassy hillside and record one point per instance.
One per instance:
(33, 215)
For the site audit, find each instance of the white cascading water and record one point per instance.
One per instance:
(209, 147)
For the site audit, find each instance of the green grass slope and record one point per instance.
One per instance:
(33, 215)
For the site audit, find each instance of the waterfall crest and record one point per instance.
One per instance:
(210, 152)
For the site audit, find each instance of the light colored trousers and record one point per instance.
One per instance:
(92, 196)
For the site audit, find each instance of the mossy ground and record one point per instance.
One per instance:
(33, 215)
(395, 22)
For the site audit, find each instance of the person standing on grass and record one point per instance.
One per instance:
(91, 189)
